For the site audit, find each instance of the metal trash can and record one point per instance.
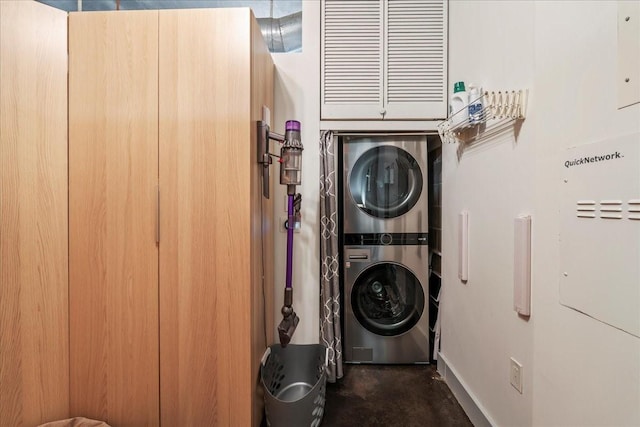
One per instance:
(294, 379)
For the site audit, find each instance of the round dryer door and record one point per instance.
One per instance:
(385, 182)
(387, 299)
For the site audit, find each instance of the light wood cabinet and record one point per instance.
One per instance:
(113, 178)
(383, 59)
(34, 333)
(163, 110)
(212, 219)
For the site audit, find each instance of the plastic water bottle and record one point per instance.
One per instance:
(475, 105)
(459, 113)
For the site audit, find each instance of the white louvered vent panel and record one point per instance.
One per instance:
(416, 51)
(352, 52)
(609, 209)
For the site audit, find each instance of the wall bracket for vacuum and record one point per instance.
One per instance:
(297, 217)
(264, 156)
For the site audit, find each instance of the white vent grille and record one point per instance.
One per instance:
(611, 209)
(416, 51)
(352, 68)
(586, 209)
(634, 209)
(608, 209)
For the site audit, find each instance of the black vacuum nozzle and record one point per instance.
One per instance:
(288, 325)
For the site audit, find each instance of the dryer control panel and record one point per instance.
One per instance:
(386, 239)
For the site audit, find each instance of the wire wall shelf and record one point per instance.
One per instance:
(499, 108)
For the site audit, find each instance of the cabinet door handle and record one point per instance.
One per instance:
(157, 214)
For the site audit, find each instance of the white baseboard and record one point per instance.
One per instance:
(472, 407)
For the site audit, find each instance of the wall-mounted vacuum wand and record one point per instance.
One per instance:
(290, 175)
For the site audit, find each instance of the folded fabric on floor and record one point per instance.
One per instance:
(76, 422)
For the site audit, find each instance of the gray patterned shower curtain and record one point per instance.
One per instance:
(330, 334)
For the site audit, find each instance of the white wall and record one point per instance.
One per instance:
(591, 368)
(297, 97)
(490, 44)
(577, 371)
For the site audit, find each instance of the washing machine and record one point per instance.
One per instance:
(385, 184)
(386, 317)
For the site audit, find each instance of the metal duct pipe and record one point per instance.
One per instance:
(282, 34)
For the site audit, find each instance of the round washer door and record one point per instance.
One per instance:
(385, 182)
(387, 299)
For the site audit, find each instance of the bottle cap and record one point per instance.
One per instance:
(473, 89)
(458, 87)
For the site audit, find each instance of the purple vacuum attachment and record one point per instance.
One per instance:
(290, 320)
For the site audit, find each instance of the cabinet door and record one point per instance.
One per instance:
(34, 324)
(205, 252)
(351, 59)
(113, 174)
(383, 59)
(415, 77)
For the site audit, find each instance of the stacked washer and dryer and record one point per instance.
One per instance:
(385, 249)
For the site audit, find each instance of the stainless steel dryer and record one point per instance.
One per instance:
(385, 184)
(386, 298)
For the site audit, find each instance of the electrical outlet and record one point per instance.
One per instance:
(515, 375)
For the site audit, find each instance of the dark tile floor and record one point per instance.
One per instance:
(391, 395)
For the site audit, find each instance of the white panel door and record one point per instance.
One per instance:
(351, 61)
(415, 78)
(600, 231)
